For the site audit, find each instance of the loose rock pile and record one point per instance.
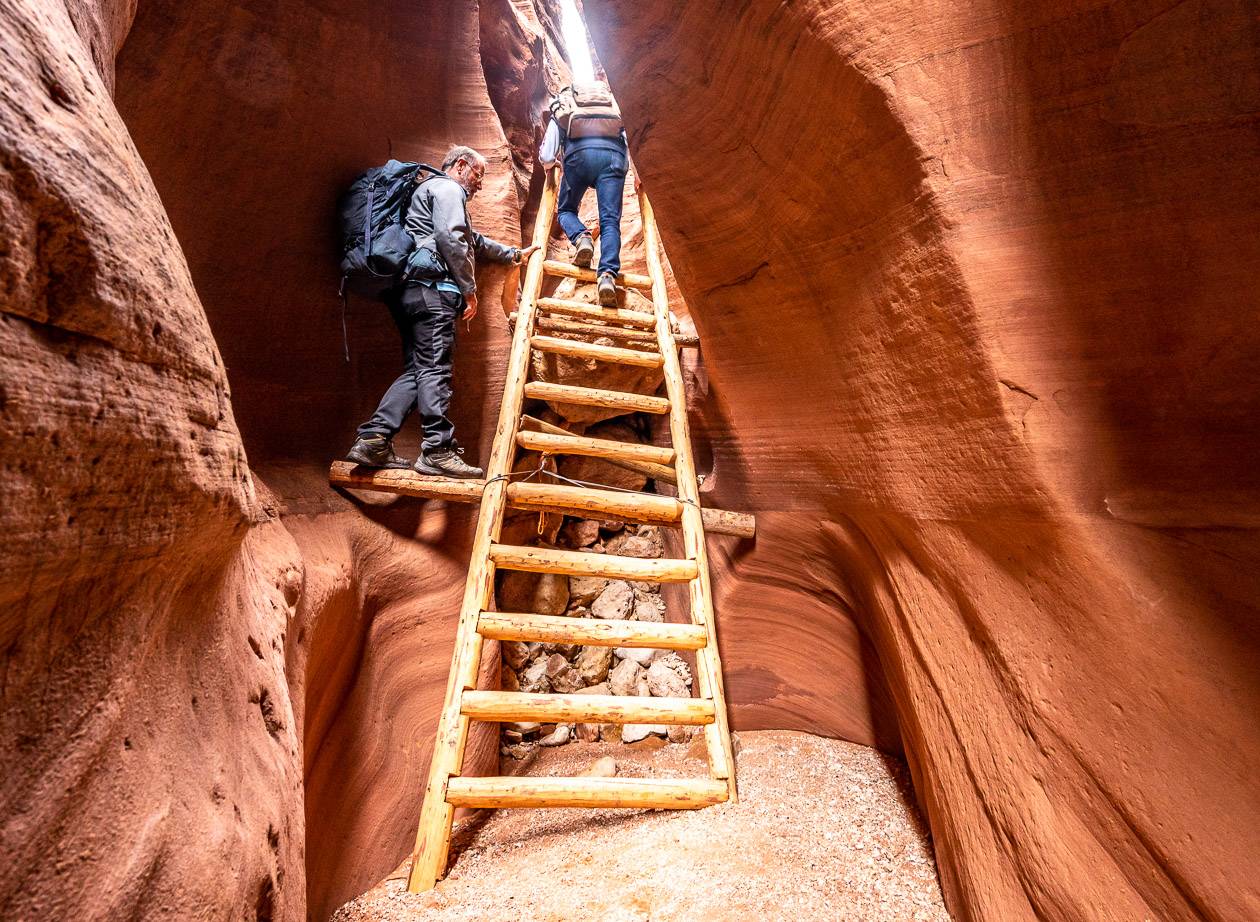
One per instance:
(590, 670)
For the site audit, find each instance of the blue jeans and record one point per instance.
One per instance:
(605, 171)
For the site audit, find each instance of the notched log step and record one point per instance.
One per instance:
(640, 319)
(641, 793)
(497, 625)
(594, 397)
(615, 355)
(608, 709)
(595, 448)
(575, 563)
(568, 270)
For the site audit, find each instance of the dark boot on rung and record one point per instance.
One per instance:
(607, 289)
(376, 451)
(446, 462)
(585, 251)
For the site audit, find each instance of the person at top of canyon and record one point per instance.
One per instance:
(439, 287)
(586, 132)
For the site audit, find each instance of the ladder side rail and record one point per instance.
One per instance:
(433, 832)
(709, 674)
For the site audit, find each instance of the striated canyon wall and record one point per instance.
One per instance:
(975, 284)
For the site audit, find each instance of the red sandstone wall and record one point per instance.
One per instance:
(252, 117)
(975, 284)
(150, 760)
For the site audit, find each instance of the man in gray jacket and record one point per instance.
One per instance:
(440, 288)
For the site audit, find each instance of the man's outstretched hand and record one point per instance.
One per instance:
(527, 252)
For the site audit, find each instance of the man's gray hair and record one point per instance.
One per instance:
(460, 152)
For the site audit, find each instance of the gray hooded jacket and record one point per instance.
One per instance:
(438, 220)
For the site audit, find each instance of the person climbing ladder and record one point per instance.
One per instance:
(587, 133)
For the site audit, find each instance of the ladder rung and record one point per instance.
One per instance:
(499, 625)
(609, 505)
(560, 325)
(576, 563)
(614, 354)
(643, 793)
(608, 709)
(592, 397)
(568, 270)
(640, 319)
(595, 448)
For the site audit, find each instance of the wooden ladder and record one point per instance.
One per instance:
(447, 788)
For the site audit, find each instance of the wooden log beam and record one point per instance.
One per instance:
(589, 503)
(640, 319)
(594, 397)
(581, 350)
(647, 468)
(594, 448)
(576, 563)
(607, 709)
(560, 325)
(568, 270)
(630, 793)
(498, 625)
(409, 483)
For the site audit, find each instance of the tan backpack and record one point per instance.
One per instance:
(587, 111)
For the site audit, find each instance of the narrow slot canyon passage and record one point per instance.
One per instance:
(962, 296)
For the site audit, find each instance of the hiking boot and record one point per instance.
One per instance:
(607, 289)
(376, 451)
(446, 462)
(585, 251)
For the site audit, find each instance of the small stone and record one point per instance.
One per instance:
(516, 653)
(615, 602)
(564, 649)
(632, 733)
(593, 664)
(648, 607)
(610, 733)
(640, 546)
(508, 680)
(680, 734)
(522, 726)
(534, 679)
(580, 533)
(583, 590)
(641, 655)
(601, 768)
(623, 679)
(669, 677)
(588, 733)
(567, 681)
(544, 594)
(557, 737)
(518, 751)
(640, 585)
(555, 663)
(511, 736)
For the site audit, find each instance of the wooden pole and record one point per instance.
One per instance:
(607, 709)
(560, 325)
(708, 660)
(434, 830)
(576, 563)
(575, 348)
(634, 793)
(409, 483)
(567, 270)
(648, 468)
(594, 397)
(498, 625)
(586, 311)
(595, 448)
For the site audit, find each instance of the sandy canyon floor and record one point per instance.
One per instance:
(823, 829)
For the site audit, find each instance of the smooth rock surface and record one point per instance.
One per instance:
(979, 354)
